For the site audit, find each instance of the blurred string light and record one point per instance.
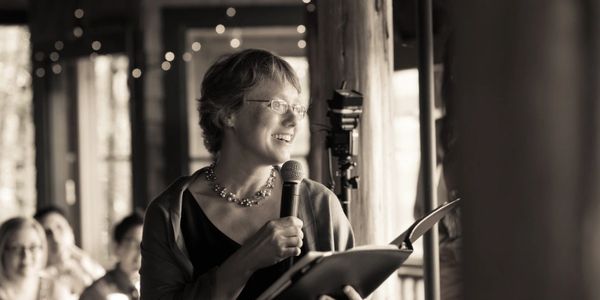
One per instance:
(220, 29)
(78, 13)
(231, 12)
(187, 57)
(169, 56)
(301, 44)
(78, 32)
(166, 66)
(136, 73)
(59, 45)
(96, 45)
(301, 29)
(40, 72)
(54, 56)
(234, 43)
(56, 68)
(196, 46)
(311, 7)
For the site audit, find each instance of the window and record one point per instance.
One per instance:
(17, 147)
(104, 149)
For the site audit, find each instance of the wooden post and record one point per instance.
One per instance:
(355, 45)
(428, 145)
(527, 99)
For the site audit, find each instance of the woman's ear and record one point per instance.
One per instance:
(229, 121)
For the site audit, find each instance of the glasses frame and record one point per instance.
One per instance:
(21, 249)
(299, 110)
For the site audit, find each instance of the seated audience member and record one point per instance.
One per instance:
(22, 261)
(66, 262)
(124, 278)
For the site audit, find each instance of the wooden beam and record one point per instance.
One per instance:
(355, 45)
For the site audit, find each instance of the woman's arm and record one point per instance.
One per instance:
(167, 274)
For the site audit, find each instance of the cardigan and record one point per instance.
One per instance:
(167, 272)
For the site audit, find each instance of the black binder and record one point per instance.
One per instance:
(363, 267)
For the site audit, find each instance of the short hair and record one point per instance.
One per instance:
(132, 220)
(8, 228)
(42, 213)
(226, 83)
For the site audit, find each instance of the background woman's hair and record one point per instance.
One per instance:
(130, 221)
(42, 213)
(7, 230)
(226, 83)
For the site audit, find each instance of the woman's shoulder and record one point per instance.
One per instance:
(316, 188)
(53, 287)
(321, 197)
(172, 194)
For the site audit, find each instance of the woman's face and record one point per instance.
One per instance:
(261, 134)
(23, 255)
(128, 251)
(59, 234)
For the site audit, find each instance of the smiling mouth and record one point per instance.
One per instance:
(283, 137)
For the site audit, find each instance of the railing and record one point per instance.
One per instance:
(412, 285)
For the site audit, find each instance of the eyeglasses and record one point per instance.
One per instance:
(281, 107)
(19, 249)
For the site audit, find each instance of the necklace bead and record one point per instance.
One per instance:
(222, 191)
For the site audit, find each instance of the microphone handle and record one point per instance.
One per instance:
(289, 199)
(290, 195)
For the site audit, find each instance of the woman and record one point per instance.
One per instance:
(123, 279)
(217, 234)
(22, 259)
(66, 262)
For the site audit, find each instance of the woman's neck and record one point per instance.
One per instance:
(59, 259)
(23, 287)
(241, 178)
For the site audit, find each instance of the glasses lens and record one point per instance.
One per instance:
(279, 106)
(299, 110)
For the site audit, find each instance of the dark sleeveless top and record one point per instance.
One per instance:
(209, 247)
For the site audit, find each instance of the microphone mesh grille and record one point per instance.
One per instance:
(292, 171)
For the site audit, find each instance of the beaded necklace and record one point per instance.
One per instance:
(254, 200)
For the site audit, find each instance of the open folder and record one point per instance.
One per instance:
(363, 267)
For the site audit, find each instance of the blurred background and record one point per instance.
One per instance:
(98, 116)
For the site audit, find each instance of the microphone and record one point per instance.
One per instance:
(292, 174)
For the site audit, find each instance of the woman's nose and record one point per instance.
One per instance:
(290, 118)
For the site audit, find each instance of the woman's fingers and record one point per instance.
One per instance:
(290, 242)
(352, 293)
(290, 247)
(290, 251)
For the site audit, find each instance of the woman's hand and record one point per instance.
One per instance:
(350, 292)
(276, 240)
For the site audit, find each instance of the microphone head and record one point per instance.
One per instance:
(291, 171)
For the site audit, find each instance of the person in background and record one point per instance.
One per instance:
(218, 234)
(22, 261)
(123, 279)
(66, 262)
